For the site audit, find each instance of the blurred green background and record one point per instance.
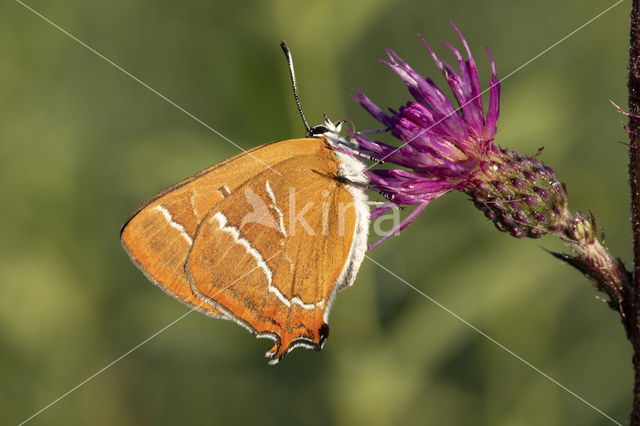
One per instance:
(82, 145)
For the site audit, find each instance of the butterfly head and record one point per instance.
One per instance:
(332, 132)
(328, 126)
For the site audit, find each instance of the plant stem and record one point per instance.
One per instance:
(632, 314)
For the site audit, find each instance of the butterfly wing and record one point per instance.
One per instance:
(272, 260)
(159, 234)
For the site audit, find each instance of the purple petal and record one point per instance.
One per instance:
(381, 210)
(405, 222)
(444, 112)
(493, 111)
(473, 69)
(370, 106)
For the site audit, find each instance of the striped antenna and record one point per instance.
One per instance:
(287, 54)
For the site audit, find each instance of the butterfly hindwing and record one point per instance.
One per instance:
(270, 259)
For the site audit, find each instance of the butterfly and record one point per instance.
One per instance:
(265, 238)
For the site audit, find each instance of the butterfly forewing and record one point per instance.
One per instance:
(159, 235)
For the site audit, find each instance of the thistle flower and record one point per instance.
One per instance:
(446, 148)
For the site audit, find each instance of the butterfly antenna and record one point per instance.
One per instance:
(287, 54)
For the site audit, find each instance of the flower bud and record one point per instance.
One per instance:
(518, 194)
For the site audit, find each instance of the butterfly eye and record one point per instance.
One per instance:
(318, 130)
